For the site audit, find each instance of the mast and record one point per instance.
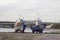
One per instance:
(38, 18)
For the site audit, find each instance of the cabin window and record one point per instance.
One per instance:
(7, 26)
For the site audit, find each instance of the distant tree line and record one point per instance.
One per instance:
(56, 26)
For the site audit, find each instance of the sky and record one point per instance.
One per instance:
(47, 10)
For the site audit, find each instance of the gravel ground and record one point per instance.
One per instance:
(28, 36)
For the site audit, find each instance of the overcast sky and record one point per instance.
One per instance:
(49, 10)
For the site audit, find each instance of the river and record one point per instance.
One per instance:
(27, 30)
